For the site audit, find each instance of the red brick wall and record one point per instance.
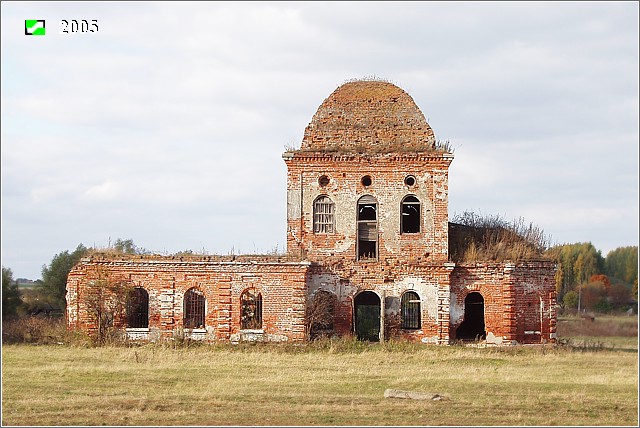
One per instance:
(389, 281)
(513, 312)
(388, 173)
(512, 294)
(282, 285)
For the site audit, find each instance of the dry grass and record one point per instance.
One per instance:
(326, 383)
(474, 237)
(605, 331)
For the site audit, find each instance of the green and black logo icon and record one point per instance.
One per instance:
(34, 27)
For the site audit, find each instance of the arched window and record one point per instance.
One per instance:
(138, 308)
(410, 215)
(251, 310)
(323, 215)
(367, 228)
(410, 307)
(194, 307)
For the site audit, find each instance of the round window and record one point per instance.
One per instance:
(410, 180)
(366, 180)
(323, 181)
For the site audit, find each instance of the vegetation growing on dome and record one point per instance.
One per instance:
(365, 88)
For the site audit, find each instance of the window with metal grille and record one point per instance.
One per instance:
(251, 310)
(410, 307)
(194, 307)
(410, 215)
(138, 308)
(323, 215)
(367, 228)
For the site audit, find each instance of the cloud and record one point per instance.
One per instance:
(167, 126)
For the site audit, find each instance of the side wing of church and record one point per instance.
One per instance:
(367, 252)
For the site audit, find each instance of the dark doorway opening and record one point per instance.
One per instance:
(472, 328)
(367, 311)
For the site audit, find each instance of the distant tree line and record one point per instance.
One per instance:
(586, 280)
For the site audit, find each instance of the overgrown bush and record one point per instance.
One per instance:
(570, 300)
(392, 326)
(603, 306)
(319, 316)
(42, 331)
(473, 237)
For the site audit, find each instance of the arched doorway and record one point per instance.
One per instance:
(367, 316)
(473, 325)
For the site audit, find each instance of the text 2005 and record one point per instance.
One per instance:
(78, 26)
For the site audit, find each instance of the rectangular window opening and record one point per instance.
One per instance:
(367, 250)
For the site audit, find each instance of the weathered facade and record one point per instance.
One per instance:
(367, 252)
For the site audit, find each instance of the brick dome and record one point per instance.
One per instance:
(368, 116)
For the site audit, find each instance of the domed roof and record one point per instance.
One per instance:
(368, 116)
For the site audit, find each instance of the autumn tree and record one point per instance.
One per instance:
(604, 279)
(593, 295)
(578, 262)
(570, 300)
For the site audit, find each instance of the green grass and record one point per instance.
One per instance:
(329, 383)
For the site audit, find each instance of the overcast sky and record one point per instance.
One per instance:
(167, 125)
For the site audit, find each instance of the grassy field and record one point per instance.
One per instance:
(151, 385)
(327, 383)
(607, 331)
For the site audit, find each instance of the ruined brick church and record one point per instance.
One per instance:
(367, 252)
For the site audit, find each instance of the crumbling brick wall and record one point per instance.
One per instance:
(364, 129)
(388, 173)
(166, 279)
(519, 300)
(389, 281)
